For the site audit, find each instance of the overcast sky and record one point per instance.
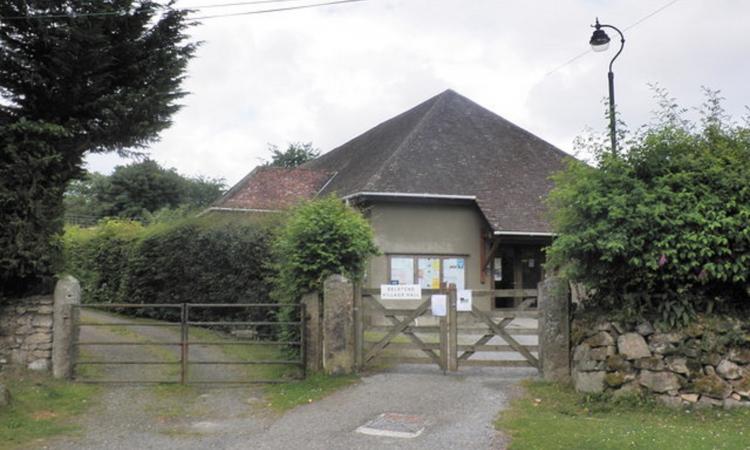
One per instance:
(327, 74)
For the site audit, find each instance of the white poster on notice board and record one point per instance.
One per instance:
(439, 304)
(463, 300)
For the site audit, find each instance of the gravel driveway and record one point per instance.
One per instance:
(458, 411)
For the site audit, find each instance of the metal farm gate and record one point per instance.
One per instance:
(389, 331)
(126, 345)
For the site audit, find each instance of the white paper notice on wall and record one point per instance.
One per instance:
(400, 292)
(439, 304)
(463, 300)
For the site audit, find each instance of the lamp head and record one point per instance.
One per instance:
(599, 40)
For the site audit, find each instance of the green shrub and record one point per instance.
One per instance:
(319, 238)
(664, 227)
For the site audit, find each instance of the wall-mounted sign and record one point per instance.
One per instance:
(400, 292)
(438, 304)
(463, 300)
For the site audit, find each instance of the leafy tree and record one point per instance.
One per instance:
(138, 191)
(296, 154)
(82, 200)
(93, 82)
(142, 187)
(201, 191)
(663, 229)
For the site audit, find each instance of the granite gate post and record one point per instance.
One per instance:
(338, 325)
(67, 294)
(554, 329)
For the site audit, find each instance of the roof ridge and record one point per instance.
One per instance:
(438, 101)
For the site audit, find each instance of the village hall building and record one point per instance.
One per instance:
(455, 194)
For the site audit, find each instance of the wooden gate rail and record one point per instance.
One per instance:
(185, 342)
(399, 327)
(448, 353)
(499, 330)
(391, 315)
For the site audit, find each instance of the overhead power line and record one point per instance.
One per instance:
(192, 8)
(632, 25)
(244, 3)
(265, 11)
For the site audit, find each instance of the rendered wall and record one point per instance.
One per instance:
(426, 229)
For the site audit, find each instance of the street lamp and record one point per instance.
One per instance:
(599, 43)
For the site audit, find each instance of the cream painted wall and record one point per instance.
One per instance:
(402, 228)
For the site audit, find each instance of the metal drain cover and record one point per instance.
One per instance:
(394, 425)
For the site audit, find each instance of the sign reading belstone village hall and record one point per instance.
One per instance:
(400, 291)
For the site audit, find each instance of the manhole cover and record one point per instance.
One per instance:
(394, 425)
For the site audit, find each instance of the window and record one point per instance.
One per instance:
(428, 271)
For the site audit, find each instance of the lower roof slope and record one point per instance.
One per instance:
(273, 188)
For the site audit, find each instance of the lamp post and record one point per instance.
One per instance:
(599, 43)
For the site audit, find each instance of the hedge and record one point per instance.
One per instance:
(661, 229)
(204, 260)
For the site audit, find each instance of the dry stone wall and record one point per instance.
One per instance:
(706, 364)
(26, 332)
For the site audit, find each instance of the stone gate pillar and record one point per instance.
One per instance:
(338, 325)
(554, 329)
(67, 294)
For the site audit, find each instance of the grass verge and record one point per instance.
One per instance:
(551, 417)
(40, 407)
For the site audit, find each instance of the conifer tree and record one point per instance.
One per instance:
(76, 77)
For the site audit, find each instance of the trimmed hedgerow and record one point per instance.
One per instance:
(99, 258)
(193, 261)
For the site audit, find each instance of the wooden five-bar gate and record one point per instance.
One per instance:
(406, 331)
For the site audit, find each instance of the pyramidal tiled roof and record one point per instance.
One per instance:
(449, 145)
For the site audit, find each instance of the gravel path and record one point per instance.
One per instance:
(458, 410)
